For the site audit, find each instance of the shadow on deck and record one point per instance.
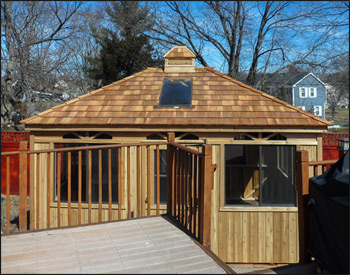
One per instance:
(146, 245)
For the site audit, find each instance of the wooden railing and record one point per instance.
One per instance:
(189, 184)
(305, 170)
(190, 181)
(51, 156)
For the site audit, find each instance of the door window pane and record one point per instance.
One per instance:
(277, 175)
(259, 175)
(241, 174)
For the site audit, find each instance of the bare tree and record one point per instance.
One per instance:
(225, 33)
(82, 44)
(261, 36)
(338, 81)
(33, 37)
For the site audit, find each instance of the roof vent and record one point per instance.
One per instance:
(179, 59)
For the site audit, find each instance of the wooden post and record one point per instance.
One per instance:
(170, 175)
(128, 182)
(148, 180)
(302, 185)
(206, 186)
(23, 185)
(7, 194)
(158, 179)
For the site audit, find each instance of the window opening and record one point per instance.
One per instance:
(81, 133)
(318, 110)
(176, 93)
(278, 137)
(303, 92)
(178, 134)
(103, 136)
(312, 92)
(259, 175)
(71, 135)
(189, 137)
(265, 135)
(254, 135)
(162, 176)
(85, 173)
(242, 137)
(155, 136)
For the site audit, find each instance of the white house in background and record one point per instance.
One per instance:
(309, 94)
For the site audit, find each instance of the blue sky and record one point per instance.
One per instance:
(294, 45)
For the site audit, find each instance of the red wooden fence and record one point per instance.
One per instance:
(330, 145)
(10, 142)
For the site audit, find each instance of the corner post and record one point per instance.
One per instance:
(206, 186)
(23, 165)
(170, 174)
(302, 185)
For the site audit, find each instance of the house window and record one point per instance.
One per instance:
(162, 176)
(303, 92)
(302, 107)
(318, 110)
(85, 174)
(260, 175)
(307, 92)
(176, 93)
(312, 92)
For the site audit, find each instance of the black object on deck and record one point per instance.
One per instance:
(329, 217)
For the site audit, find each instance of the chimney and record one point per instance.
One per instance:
(180, 60)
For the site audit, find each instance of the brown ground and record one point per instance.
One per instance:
(14, 210)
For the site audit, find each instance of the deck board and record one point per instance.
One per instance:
(150, 245)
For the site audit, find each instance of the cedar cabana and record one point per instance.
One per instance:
(254, 136)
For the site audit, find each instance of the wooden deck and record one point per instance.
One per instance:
(148, 245)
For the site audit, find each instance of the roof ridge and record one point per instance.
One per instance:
(269, 96)
(83, 96)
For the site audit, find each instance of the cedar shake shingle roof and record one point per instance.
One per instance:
(179, 52)
(217, 101)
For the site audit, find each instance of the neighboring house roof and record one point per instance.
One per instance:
(288, 79)
(283, 79)
(217, 101)
(308, 75)
(291, 79)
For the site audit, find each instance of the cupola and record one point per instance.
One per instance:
(179, 59)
